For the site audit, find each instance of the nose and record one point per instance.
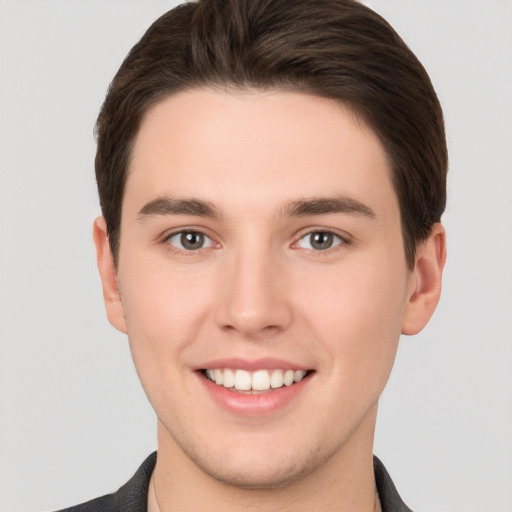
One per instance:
(254, 301)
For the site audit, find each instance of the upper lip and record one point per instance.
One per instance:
(265, 363)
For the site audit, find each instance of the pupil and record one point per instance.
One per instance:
(192, 240)
(321, 240)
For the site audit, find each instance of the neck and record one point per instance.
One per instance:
(343, 483)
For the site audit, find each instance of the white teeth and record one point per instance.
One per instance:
(288, 377)
(276, 379)
(260, 380)
(299, 375)
(228, 380)
(242, 380)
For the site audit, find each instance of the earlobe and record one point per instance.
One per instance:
(425, 281)
(108, 274)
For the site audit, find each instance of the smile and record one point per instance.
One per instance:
(257, 381)
(254, 388)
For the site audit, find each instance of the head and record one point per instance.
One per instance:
(271, 175)
(333, 49)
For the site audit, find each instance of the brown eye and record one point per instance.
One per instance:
(189, 240)
(319, 241)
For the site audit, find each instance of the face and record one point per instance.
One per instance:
(263, 280)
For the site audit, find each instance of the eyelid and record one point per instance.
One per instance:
(344, 238)
(165, 239)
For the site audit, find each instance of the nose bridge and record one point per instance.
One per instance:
(254, 297)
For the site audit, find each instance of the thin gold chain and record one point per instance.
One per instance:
(153, 480)
(377, 507)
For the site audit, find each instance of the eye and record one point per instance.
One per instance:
(189, 240)
(319, 241)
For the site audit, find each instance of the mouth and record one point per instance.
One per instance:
(254, 382)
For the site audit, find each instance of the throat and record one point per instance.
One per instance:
(153, 505)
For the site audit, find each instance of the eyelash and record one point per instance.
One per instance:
(185, 232)
(337, 239)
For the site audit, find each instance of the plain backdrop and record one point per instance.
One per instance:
(74, 421)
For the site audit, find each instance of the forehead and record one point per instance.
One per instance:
(269, 146)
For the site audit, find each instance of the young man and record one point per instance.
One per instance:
(272, 178)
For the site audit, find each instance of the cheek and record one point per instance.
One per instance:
(357, 312)
(164, 310)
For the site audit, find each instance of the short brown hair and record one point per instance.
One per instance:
(337, 49)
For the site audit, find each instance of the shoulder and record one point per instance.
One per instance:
(131, 497)
(389, 498)
(106, 503)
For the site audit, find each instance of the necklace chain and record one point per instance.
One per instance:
(159, 509)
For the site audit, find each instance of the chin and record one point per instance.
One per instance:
(257, 462)
(259, 475)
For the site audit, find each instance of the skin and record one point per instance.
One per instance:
(258, 288)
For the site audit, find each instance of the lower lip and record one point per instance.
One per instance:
(259, 404)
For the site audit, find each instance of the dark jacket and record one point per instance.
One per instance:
(133, 496)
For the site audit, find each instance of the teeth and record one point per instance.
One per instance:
(242, 380)
(228, 379)
(288, 377)
(299, 375)
(276, 379)
(260, 380)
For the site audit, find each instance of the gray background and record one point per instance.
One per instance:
(74, 422)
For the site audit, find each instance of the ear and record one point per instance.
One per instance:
(108, 274)
(425, 283)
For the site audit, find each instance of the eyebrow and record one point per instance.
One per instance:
(165, 205)
(169, 206)
(324, 206)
